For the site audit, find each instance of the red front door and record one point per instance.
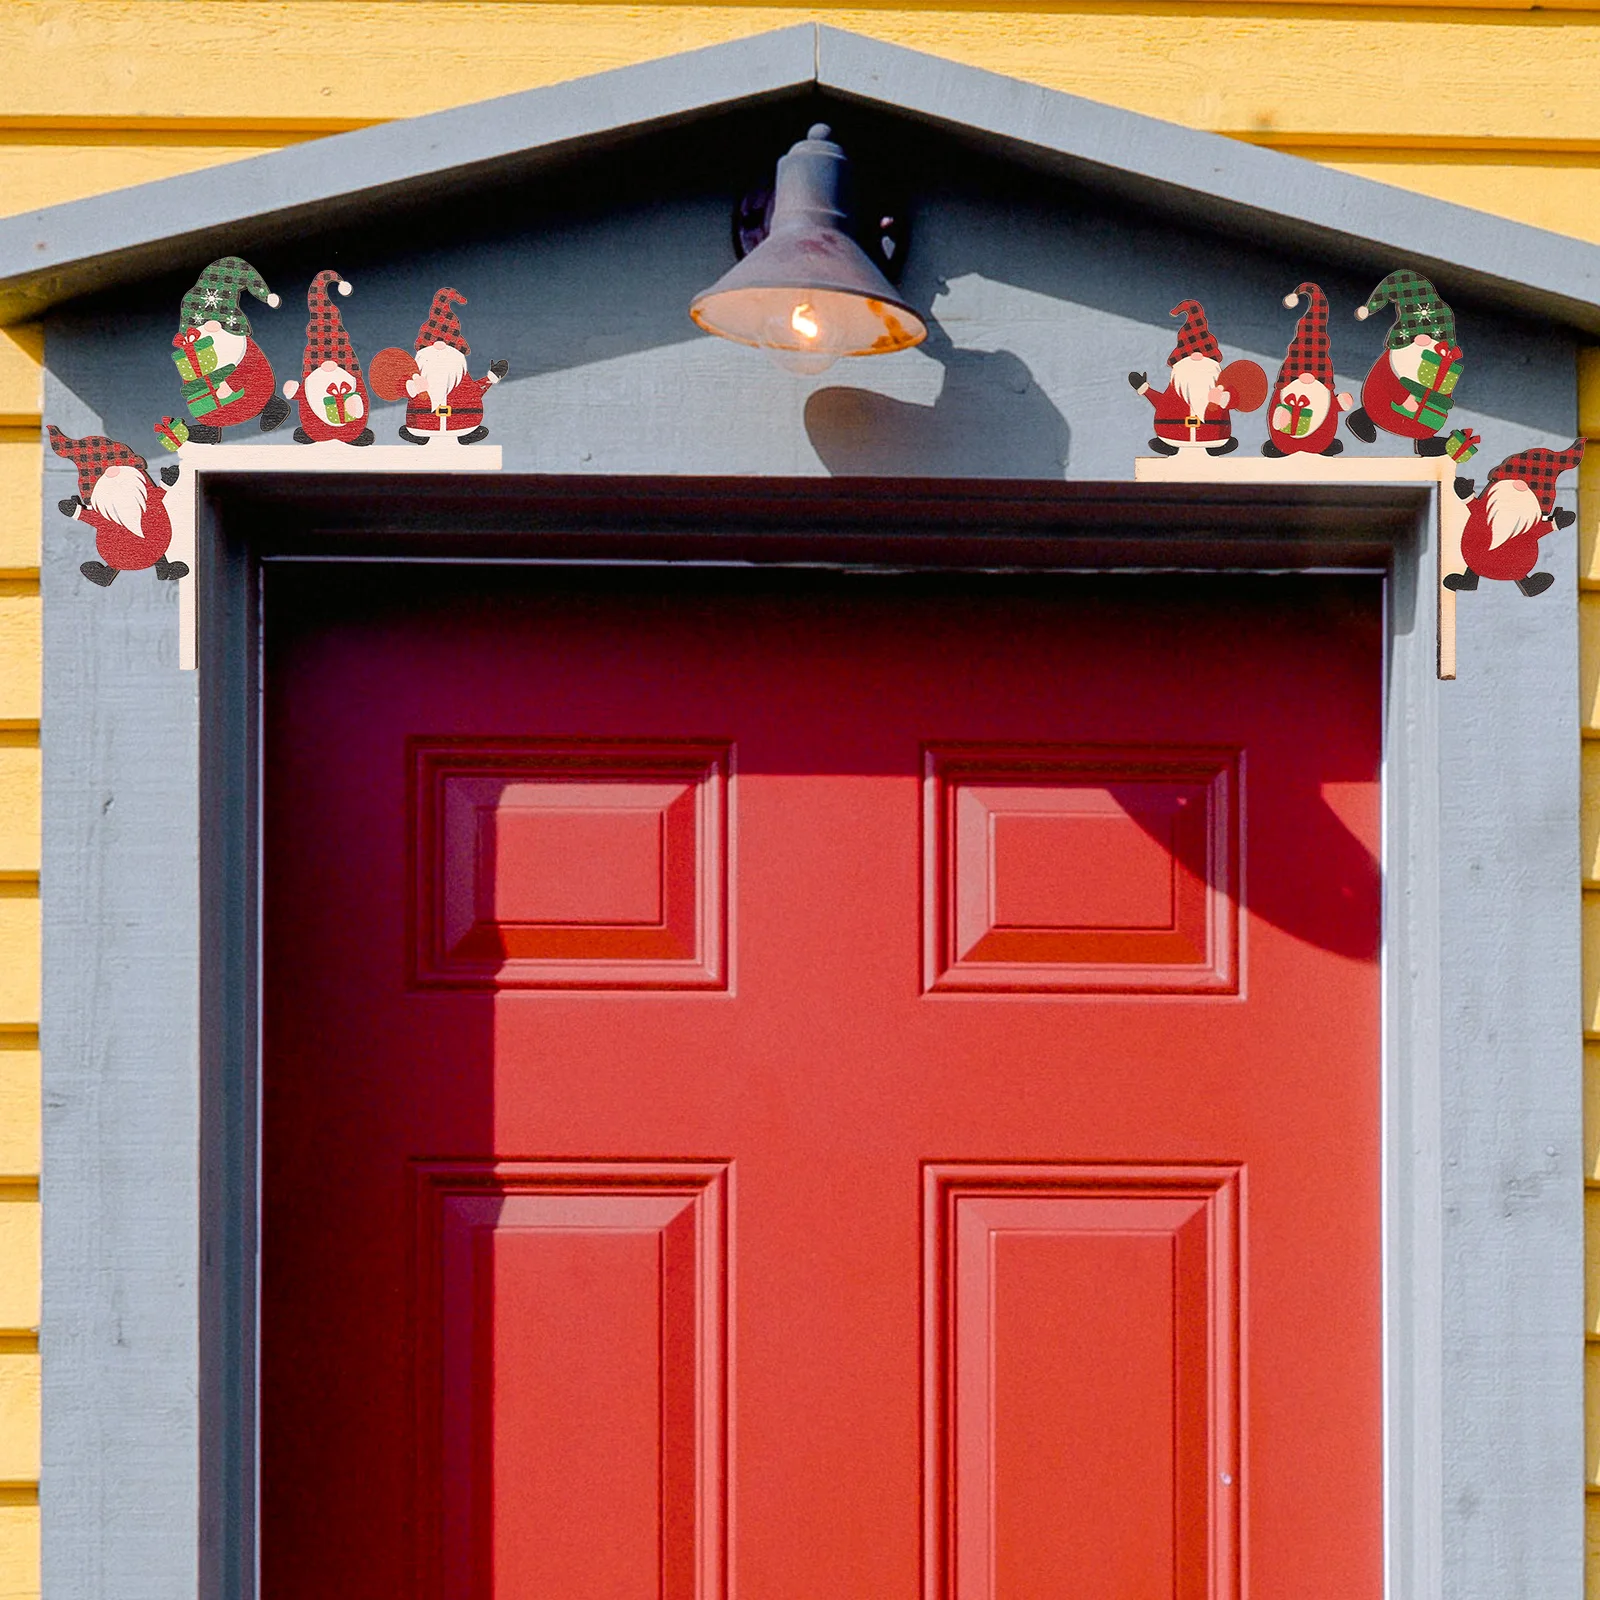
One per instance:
(809, 1087)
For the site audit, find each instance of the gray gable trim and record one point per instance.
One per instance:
(90, 245)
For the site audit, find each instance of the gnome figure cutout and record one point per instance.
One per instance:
(1412, 383)
(226, 379)
(442, 399)
(1506, 522)
(333, 395)
(1195, 410)
(1303, 413)
(117, 499)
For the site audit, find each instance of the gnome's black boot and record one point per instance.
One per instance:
(98, 572)
(1271, 451)
(480, 432)
(1361, 425)
(273, 413)
(302, 437)
(171, 570)
(1162, 448)
(1334, 447)
(204, 433)
(1535, 583)
(410, 437)
(1461, 582)
(169, 475)
(1430, 447)
(366, 436)
(1223, 448)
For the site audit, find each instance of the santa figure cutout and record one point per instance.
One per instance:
(333, 395)
(1506, 522)
(1303, 413)
(1410, 389)
(225, 378)
(442, 399)
(1195, 410)
(118, 500)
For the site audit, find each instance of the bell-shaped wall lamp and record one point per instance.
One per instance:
(808, 293)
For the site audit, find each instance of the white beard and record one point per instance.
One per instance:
(442, 367)
(1512, 508)
(318, 384)
(230, 347)
(1318, 398)
(119, 494)
(1194, 377)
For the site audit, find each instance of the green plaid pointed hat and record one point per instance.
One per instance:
(1417, 309)
(215, 296)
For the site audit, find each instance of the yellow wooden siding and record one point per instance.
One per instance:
(98, 94)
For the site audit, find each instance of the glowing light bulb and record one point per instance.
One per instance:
(798, 342)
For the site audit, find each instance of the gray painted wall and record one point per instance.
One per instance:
(1042, 299)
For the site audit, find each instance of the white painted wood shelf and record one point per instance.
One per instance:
(1242, 468)
(440, 454)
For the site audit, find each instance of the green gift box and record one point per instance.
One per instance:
(195, 360)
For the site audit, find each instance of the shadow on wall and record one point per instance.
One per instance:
(990, 420)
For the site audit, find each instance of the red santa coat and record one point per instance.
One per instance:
(1382, 391)
(252, 377)
(463, 411)
(1313, 443)
(124, 549)
(1176, 422)
(315, 420)
(1514, 559)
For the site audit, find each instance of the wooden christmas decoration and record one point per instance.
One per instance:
(1195, 410)
(1303, 413)
(1505, 523)
(389, 371)
(1411, 387)
(224, 377)
(443, 401)
(332, 393)
(118, 500)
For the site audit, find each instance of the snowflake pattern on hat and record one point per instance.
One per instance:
(216, 292)
(1417, 309)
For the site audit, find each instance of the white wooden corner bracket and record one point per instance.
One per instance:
(1364, 470)
(442, 454)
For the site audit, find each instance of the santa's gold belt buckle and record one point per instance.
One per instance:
(1193, 422)
(441, 411)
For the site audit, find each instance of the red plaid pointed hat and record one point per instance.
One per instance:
(1195, 336)
(1539, 468)
(442, 325)
(326, 339)
(93, 457)
(1309, 350)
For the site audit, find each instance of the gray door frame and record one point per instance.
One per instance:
(150, 1287)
